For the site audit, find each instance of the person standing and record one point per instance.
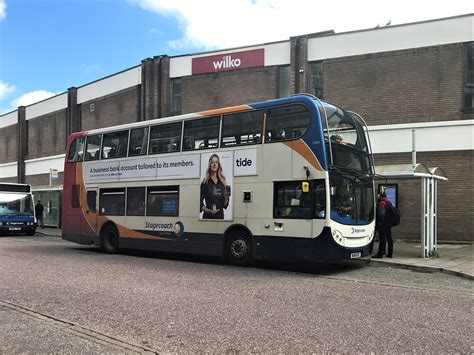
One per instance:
(39, 209)
(214, 195)
(384, 226)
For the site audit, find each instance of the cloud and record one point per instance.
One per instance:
(6, 89)
(3, 10)
(214, 24)
(32, 97)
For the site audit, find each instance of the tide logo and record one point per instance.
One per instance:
(227, 62)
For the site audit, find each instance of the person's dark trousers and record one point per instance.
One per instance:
(385, 238)
(389, 239)
(382, 242)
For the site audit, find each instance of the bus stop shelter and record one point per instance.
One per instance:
(429, 189)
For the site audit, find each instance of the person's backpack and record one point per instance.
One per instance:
(393, 215)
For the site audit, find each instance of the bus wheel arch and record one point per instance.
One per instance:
(109, 238)
(238, 245)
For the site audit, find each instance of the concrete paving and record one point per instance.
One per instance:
(456, 259)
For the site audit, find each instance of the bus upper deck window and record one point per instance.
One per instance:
(93, 147)
(76, 151)
(286, 122)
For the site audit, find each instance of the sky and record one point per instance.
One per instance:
(48, 46)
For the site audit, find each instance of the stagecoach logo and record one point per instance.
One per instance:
(357, 230)
(177, 228)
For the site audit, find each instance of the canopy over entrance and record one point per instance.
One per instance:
(429, 185)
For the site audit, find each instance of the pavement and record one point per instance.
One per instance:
(452, 258)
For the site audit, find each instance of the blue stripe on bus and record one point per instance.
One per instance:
(17, 219)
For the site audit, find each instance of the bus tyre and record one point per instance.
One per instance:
(239, 248)
(110, 239)
(31, 232)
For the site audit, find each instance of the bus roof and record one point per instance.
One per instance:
(207, 113)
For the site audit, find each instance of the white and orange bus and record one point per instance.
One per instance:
(286, 179)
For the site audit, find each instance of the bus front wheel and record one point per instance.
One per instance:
(110, 239)
(239, 248)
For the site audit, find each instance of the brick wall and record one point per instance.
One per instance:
(111, 110)
(416, 85)
(43, 180)
(46, 135)
(455, 197)
(8, 144)
(209, 91)
(12, 180)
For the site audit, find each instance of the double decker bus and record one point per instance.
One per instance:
(17, 211)
(286, 179)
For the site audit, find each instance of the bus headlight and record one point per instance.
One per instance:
(337, 235)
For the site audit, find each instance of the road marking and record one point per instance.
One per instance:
(79, 331)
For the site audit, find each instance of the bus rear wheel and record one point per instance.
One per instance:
(110, 239)
(239, 248)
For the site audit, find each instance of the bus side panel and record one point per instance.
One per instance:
(321, 248)
(188, 243)
(74, 228)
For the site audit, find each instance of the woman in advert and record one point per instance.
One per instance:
(214, 191)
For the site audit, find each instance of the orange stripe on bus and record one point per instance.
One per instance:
(302, 149)
(220, 111)
(93, 218)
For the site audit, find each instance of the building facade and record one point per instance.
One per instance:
(417, 76)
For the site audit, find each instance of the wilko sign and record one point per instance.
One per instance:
(229, 61)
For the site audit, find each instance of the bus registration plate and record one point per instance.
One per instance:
(356, 255)
(14, 229)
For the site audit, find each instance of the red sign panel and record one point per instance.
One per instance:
(229, 61)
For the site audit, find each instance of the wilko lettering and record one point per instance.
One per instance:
(229, 61)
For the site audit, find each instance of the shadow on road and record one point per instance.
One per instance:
(321, 269)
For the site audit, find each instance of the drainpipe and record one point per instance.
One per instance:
(413, 149)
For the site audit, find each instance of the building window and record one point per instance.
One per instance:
(284, 81)
(176, 97)
(468, 101)
(316, 79)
